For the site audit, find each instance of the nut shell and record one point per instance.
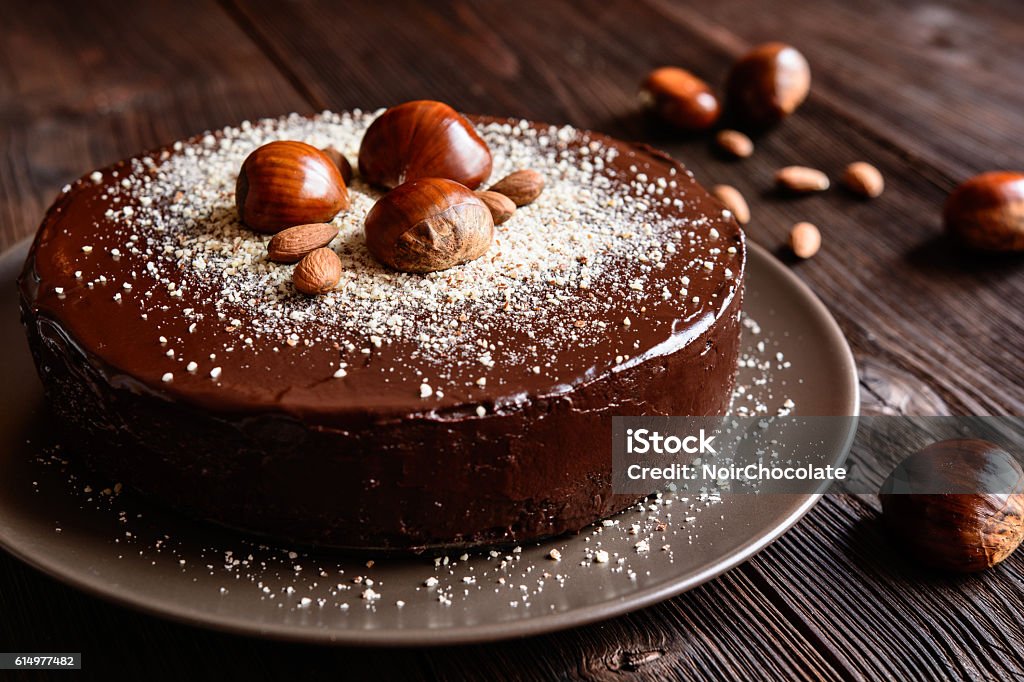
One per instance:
(318, 272)
(987, 211)
(680, 98)
(767, 84)
(423, 139)
(285, 183)
(958, 504)
(427, 225)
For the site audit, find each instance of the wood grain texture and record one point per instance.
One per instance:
(879, 611)
(927, 91)
(85, 84)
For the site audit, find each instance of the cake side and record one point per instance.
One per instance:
(412, 484)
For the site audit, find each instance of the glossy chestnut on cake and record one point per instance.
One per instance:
(395, 410)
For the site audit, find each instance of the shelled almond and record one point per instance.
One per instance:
(734, 201)
(501, 207)
(290, 245)
(735, 143)
(801, 179)
(864, 179)
(805, 240)
(318, 272)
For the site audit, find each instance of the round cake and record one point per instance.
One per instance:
(400, 411)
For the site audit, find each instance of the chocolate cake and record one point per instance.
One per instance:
(400, 411)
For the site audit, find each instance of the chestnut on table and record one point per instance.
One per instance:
(957, 504)
(768, 84)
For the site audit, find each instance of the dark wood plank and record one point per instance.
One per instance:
(880, 612)
(85, 84)
(697, 637)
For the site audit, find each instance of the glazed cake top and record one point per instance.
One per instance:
(145, 266)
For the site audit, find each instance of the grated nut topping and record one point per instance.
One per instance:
(174, 216)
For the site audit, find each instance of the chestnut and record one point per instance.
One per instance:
(341, 161)
(767, 84)
(864, 180)
(987, 211)
(958, 504)
(680, 99)
(286, 183)
(428, 224)
(423, 139)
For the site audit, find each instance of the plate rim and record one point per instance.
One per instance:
(493, 632)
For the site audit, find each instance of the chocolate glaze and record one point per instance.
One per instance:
(277, 447)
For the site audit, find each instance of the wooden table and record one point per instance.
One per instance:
(930, 92)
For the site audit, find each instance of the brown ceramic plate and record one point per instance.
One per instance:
(82, 530)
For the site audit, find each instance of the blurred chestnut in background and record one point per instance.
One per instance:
(987, 211)
(767, 84)
(680, 99)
